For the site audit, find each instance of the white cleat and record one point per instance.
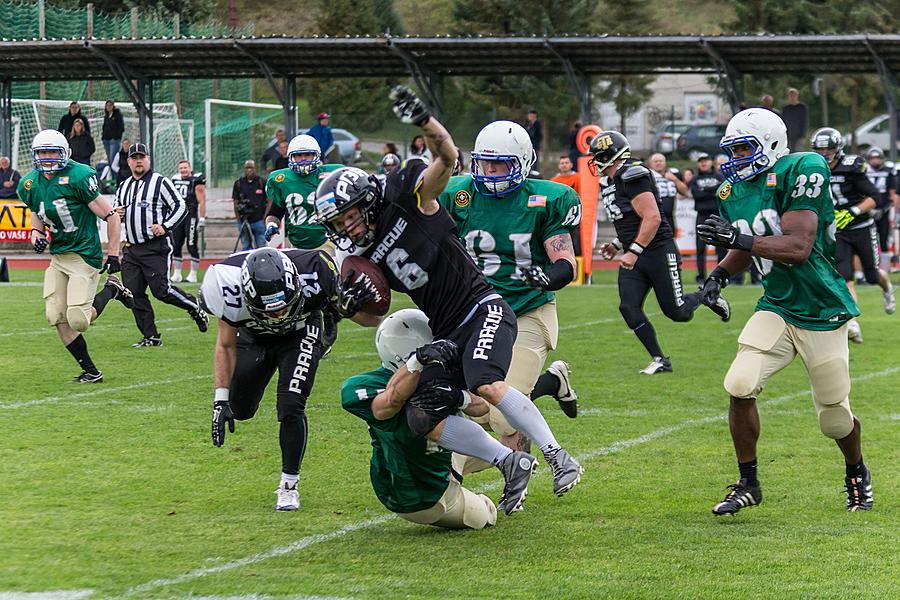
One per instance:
(192, 277)
(887, 298)
(854, 332)
(288, 498)
(176, 276)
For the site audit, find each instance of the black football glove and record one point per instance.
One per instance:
(40, 244)
(717, 231)
(534, 277)
(408, 107)
(221, 415)
(713, 286)
(440, 352)
(438, 397)
(356, 291)
(111, 265)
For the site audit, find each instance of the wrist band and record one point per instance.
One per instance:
(221, 394)
(854, 210)
(39, 231)
(616, 243)
(636, 248)
(413, 365)
(467, 399)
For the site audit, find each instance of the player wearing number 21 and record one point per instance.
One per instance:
(776, 211)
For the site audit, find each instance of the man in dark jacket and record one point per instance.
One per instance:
(113, 129)
(65, 123)
(796, 118)
(9, 180)
(703, 189)
(120, 162)
(536, 133)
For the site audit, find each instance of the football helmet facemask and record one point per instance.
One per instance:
(271, 290)
(506, 142)
(828, 142)
(342, 191)
(50, 140)
(300, 145)
(607, 148)
(399, 335)
(754, 140)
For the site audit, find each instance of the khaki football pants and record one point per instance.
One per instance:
(768, 344)
(458, 508)
(69, 288)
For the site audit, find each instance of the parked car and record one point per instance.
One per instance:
(348, 147)
(874, 132)
(666, 138)
(698, 139)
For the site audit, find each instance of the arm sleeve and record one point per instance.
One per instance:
(173, 200)
(407, 182)
(564, 214)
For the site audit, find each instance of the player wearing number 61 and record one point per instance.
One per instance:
(777, 212)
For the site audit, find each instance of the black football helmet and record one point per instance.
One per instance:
(390, 162)
(607, 148)
(828, 142)
(342, 191)
(271, 290)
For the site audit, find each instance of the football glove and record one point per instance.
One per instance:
(719, 232)
(408, 107)
(40, 244)
(111, 265)
(271, 231)
(842, 218)
(221, 415)
(438, 397)
(201, 222)
(876, 213)
(441, 352)
(356, 292)
(534, 277)
(713, 286)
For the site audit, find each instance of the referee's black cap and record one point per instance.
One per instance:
(138, 149)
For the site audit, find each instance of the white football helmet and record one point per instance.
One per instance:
(764, 132)
(399, 335)
(54, 141)
(506, 142)
(304, 144)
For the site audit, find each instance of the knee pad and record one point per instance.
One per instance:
(79, 317)
(479, 512)
(633, 315)
(836, 422)
(55, 312)
(831, 388)
(743, 377)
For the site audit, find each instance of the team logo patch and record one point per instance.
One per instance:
(462, 198)
(28, 183)
(63, 181)
(534, 201)
(771, 180)
(279, 178)
(724, 191)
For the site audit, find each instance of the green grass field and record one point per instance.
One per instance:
(115, 490)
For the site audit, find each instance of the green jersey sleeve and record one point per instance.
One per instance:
(274, 188)
(564, 213)
(24, 190)
(359, 391)
(807, 186)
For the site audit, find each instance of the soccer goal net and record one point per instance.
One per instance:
(235, 131)
(173, 138)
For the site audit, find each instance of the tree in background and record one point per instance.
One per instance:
(188, 10)
(388, 21)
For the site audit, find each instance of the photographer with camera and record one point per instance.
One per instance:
(250, 207)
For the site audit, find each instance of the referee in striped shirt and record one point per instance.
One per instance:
(150, 208)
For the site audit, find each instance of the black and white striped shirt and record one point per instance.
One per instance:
(148, 200)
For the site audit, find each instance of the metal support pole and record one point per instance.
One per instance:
(290, 107)
(143, 112)
(430, 82)
(6, 148)
(889, 88)
(580, 82)
(728, 75)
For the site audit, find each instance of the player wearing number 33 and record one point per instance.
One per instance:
(64, 199)
(405, 231)
(776, 211)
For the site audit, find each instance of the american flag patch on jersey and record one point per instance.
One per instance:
(771, 180)
(537, 201)
(63, 181)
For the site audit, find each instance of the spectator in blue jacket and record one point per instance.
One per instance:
(322, 132)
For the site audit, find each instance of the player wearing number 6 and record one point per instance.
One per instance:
(777, 211)
(292, 192)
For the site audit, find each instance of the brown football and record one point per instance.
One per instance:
(382, 302)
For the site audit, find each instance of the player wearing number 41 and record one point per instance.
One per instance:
(651, 259)
(405, 231)
(277, 311)
(518, 231)
(64, 199)
(292, 192)
(854, 200)
(777, 211)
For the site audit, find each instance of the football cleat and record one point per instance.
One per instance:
(517, 468)
(147, 342)
(566, 470)
(859, 492)
(854, 332)
(288, 497)
(566, 396)
(887, 298)
(200, 318)
(659, 364)
(192, 277)
(176, 276)
(88, 377)
(123, 294)
(740, 496)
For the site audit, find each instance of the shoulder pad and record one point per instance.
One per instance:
(856, 162)
(634, 172)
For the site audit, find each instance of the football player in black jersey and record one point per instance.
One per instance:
(192, 187)
(882, 175)
(651, 259)
(277, 310)
(854, 200)
(402, 228)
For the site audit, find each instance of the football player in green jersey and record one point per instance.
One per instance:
(776, 211)
(64, 199)
(518, 232)
(292, 192)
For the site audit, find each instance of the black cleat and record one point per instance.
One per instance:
(517, 468)
(859, 492)
(123, 294)
(659, 364)
(88, 377)
(740, 496)
(566, 396)
(200, 318)
(147, 342)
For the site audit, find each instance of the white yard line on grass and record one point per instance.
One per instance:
(49, 329)
(308, 541)
(95, 392)
(59, 595)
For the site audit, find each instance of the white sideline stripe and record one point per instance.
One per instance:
(60, 595)
(21, 284)
(48, 328)
(613, 448)
(267, 597)
(96, 392)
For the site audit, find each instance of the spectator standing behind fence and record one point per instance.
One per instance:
(796, 117)
(113, 130)
(535, 130)
(272, 153)
(120, 162)
(768, 102)
(250, 205)
(81, 143)
(322, 133)
(68, 119)
(282, 161)
(9, 180)
(418, 149)
(703, 189)
(574, 153)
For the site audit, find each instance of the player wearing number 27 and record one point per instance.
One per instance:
(777, 212)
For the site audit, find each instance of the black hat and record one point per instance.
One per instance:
(138, 149)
